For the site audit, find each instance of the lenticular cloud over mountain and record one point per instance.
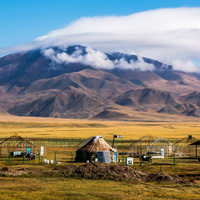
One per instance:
(163, 34)
(168, 35)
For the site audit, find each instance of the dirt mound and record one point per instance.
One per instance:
(65, 171)
(110, 172)
(5, 171)
(96, 170)
(162, 177)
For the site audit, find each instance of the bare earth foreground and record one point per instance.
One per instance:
(41, 182)
(68, 181)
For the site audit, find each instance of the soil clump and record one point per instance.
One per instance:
(96, 170)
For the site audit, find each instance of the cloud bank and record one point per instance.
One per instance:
(96, 59)
(186, 66)
(168, 35)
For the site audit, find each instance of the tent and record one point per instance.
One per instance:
(197, 144)
(90, 149)
(183, 147)
(140, 146)
(15, 143)
(150, 144)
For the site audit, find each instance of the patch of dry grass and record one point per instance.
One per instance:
(48, 127)
(69, 188)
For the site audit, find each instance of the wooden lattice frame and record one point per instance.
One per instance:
(15, 143)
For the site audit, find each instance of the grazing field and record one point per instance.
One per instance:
(81, 189)
(50, 127)
(40, 181)
(49, 186)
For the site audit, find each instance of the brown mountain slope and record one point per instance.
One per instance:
(164, 80)
(183, 109)
(193, 97)
(32, 84)
(68, 103)
(97, 81)
(145, 96)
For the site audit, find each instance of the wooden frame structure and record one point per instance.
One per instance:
(15, 143)
(150, 144)
(183, 147)
(197, 145)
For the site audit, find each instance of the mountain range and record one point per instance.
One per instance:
(80, 82)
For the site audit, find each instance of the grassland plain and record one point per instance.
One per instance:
(76, 128)
(42, 187)
(45, 187)
(71, 188)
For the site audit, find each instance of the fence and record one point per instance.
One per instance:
(63, 150)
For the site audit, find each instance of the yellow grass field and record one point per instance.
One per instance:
(76, 128)
(45, 187)
(81, 189)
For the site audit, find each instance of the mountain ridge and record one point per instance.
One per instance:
(69, 82)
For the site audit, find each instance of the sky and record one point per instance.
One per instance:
(164, 30)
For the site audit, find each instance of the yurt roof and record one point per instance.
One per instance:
(146, 140)
(186, 141)
(16, 141)
(161, 141)
(95, 144)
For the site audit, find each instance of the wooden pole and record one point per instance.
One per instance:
(196, 151)
(72, 157)
(39, 156)
(9, 157)
(55, 157)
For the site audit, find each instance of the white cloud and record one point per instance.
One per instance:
(187, 66)
(140, 64)
(95, 58)
(92, 57)
(162, 34)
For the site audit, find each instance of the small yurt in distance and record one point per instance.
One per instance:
(94, 146)
(16, 145)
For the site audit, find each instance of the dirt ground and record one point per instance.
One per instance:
(96, 170)
(5, 171)
(82, 182)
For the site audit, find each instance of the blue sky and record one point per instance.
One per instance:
(24, 20)
(165, 30)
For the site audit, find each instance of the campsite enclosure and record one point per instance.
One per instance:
(183, 147)
(64, 149)
(15, 143)
(149, 144)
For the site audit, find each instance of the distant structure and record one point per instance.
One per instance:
(16, 145)
(140, 146)
(161, 143)
(150, 144)
(184, 148)
(93, 147)
(197, 148)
